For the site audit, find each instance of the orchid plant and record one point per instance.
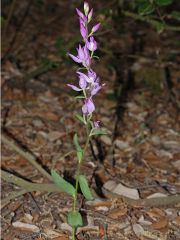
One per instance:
(89, 85)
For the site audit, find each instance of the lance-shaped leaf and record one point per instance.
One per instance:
(63, 184)
(80, 118)
(145, 8)
(85, 188)
(76, 143)
(79, 150)
(164, 2)
(99, 131)
(75, 219)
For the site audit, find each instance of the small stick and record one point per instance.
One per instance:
(27, 187)
(151, 21)
(27, 155)
(10, 14)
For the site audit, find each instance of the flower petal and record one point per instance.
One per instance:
(74, 87)
(81, 52)
(80, 14)
(88, 106)
(76, 59)
(82, 83)
(83, 31)
(84, 76)
(90, 15)
(95, 90)
(95, 27)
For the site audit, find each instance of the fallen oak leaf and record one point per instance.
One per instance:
(162, 223)
(156, 213)
(117, 213)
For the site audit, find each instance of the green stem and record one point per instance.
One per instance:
(73, 233)
(79, 165)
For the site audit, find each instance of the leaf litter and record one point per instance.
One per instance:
(143, 160)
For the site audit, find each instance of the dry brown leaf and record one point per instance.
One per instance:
(117, 213)
(54, 135)
(40, 238)
(177, 221)
(101, 231)
(102, 176)
(103, 204)
(150, 156)
(62, 237)
(50, 116)
(107, 140)
(162, 223)
(156, 213)
(176, 164)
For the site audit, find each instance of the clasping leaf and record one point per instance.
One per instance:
(85, 188)
(63, 184)
(99, 131)
(75, 219)
(78, 147)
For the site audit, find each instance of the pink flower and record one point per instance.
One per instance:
(88, 107)
(83, 31)
(95, 28)
(91, 44)
(96, 124)
(90, 15)
(82, 57)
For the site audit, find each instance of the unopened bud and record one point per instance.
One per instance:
(86, 8)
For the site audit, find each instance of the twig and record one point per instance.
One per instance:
(12, 7)
(17, 30)
(151, 21)
(12, 196)
(38, 71)
(27, 186)
(19, 81)
(27, 155)
(170, 200)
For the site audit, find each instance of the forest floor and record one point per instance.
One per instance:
(140, 155)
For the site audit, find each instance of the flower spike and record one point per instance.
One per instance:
(88, 81)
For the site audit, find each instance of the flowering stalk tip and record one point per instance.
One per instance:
(89, 83)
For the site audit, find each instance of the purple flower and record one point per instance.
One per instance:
(74, 87)
(82, 57)
(90, 78)
(95, 27)
(88, 107)
(96, 124)
(80, 14)
(91, 44)
(83, 31)
(88, 81)
(82, 83)
(95, 88)
(92, 75)
(90, 15)
(83, 76)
